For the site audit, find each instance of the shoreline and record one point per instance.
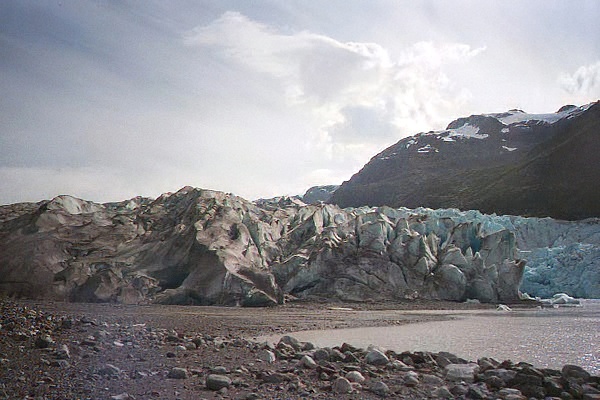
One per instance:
(136, 352)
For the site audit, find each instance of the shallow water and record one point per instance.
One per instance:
(543, 337)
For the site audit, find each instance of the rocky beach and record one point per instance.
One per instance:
(56, 350)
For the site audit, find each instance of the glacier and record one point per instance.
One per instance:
(561, 256)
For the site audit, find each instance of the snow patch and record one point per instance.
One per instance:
(509, 148)
(427, 149)
(518, 116)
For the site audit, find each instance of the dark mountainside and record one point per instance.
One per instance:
(510, 163)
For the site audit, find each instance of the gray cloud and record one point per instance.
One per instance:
(107, 100)
(585, 81)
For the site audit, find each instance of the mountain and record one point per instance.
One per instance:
(317, 194)
(509, 163)
(200, 246)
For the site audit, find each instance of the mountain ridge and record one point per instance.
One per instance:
(506, 163)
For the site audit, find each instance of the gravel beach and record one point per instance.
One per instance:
(52, 350)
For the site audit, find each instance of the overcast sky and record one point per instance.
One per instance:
(106, 100)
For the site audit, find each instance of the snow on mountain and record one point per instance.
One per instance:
(519, 116)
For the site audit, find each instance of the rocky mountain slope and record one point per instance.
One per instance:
(509, 163)
(204, 247)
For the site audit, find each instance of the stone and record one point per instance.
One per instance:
(510, 393)
(355, 376)
(109, 370)
(308, 346)
(62, 353)
(486, 363)
(59, 363)
(321, 354)
(267, 356)
(380, 388)
(411, 380)
(376, 357)
(307, 362)
(400, 366)
(43, 341)
(575, 372)
(461, 372)
(274, 377)
(504, 374)
(291, 341)
(337, 355)
(342, 385)
(477, 392)
(122, 396)
(442, 392)
(460, 389)
(177, 373)
(217, 382)
(431, 379)
(219, 370)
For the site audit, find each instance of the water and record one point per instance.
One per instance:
(545, 338)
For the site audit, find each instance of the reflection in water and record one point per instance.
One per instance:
(545, 338)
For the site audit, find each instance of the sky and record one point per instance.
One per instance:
(107, 100)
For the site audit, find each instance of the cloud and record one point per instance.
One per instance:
(584, 82)
(362, 97)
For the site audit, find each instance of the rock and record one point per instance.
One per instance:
(341, 385)
(62, 353)
(503, 307)
(411, 380)
(307, 362)
(530, 382)
(219, 370)
(461, 372)
(308, 346)
(460, 389)
(336, 355)
(477, 392)
(43, 341)
(504, 375)
(432, 380)
(553, 386)
(109, 370)
(267, 356)
(321, 354)
(376, 357)
(217, 382)
(290, 341)
(59, 363)
(400, 366)
(380, 388)
(486, 363)
(355, 376)
(511, 394)
(442, 392)
(274, 377)
(575, 372)
(122, 396)
(178, 373)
